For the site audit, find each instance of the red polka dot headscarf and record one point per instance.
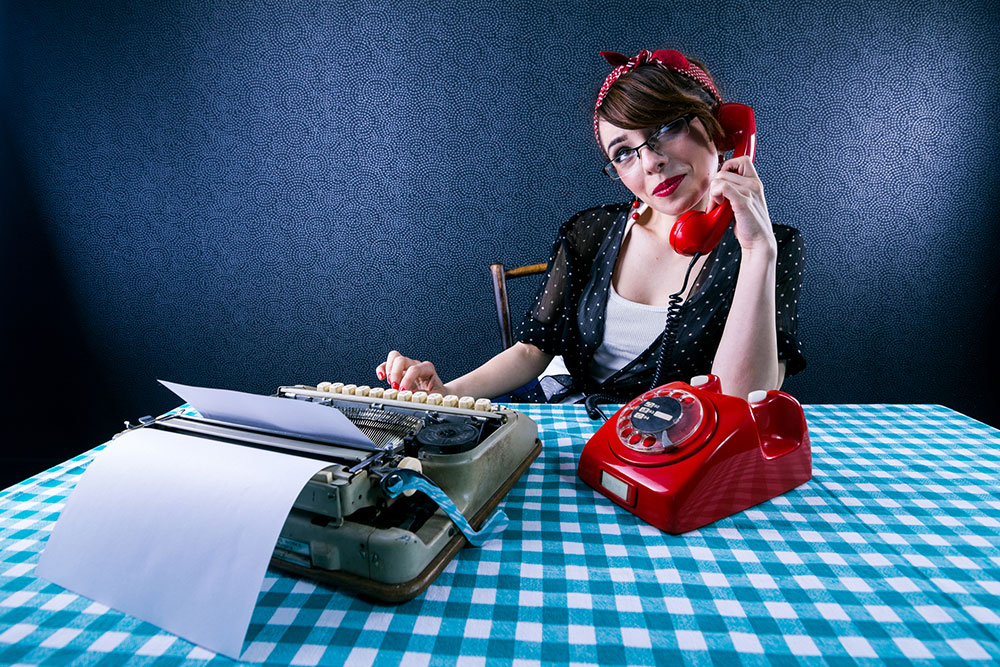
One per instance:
(665, 58)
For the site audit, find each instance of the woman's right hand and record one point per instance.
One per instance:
(405, 373)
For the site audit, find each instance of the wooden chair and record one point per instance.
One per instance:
(500, 277)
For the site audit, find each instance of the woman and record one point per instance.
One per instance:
(607, 292)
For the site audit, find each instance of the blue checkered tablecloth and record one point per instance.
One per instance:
(890, 554)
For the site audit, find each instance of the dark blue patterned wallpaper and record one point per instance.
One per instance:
(246, 194)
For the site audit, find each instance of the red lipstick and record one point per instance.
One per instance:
(667, 187)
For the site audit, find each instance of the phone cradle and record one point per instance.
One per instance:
(684, 455)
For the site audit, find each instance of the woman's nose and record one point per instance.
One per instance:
(651, 160)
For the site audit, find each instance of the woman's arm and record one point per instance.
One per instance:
(512, 368)
(747, 357)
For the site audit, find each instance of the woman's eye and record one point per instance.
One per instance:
(622, 156)
(677, 126)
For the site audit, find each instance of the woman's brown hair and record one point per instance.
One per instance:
(650, 96)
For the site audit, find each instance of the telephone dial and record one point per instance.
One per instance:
(684, 455)
(698, 231)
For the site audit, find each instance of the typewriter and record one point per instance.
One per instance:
(346, 528)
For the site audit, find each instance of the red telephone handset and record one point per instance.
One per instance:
(697, 231)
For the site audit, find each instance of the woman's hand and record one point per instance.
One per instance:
(738, 182)
(405, 373)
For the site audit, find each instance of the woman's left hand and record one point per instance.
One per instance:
(737, 181)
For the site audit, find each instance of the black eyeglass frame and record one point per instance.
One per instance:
(609, 167)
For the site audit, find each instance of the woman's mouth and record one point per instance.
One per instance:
(667, 187)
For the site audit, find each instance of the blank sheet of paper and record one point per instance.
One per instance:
(176, 530)
(273, 413)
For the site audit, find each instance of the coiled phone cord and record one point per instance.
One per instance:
(672, 324)
(670, 327)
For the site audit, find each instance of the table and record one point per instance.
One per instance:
(891, 553)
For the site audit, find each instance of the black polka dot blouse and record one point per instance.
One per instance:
(567, 317)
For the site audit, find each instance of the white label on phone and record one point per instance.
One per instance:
(614, 485)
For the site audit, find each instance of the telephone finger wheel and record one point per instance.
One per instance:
(662, 420)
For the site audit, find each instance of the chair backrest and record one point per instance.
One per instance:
(500, 277)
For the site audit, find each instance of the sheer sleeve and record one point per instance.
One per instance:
(542, 325)
(580, 246)
(791, 264)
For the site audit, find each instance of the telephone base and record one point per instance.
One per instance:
(737, 455)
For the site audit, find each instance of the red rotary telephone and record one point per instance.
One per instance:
(684, 455)
(697, 231)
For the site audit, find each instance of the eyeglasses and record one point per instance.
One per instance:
(626, 159)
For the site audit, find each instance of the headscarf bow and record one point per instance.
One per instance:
(666, 58)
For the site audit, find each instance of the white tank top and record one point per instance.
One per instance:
(629, 328)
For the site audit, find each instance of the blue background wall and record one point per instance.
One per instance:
(245, 194)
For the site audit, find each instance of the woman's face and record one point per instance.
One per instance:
(674, 180)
